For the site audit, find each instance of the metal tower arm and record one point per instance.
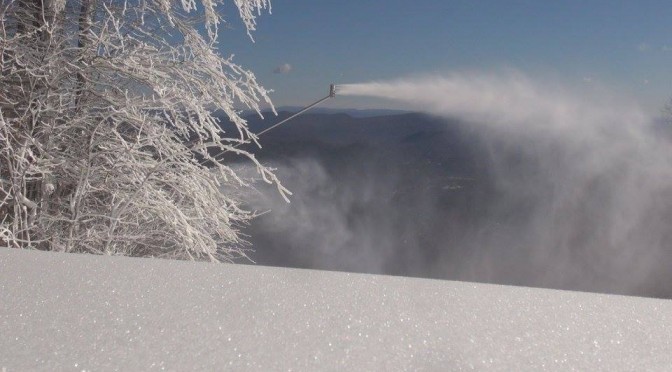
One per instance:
(332, 93)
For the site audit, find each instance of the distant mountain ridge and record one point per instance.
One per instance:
(405, 135)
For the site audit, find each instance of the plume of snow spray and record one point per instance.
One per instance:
(599, 196)
(511, 100)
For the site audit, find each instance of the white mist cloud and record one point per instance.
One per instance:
(315, 230)
(596, 182)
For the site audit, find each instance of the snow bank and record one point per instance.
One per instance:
(82, 312)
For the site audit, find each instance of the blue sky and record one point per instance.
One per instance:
(623, 45)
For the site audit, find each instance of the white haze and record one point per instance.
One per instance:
(607, 171)
(595, 192)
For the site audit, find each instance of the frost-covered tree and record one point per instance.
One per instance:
(107, 127)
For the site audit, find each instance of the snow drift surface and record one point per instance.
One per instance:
(79, 312)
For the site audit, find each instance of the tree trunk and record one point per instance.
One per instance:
(85, 22)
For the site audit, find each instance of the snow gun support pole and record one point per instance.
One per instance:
(332, 93)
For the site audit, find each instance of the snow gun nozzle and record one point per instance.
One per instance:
(332, 90)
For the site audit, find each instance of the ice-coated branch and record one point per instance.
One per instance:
(107, 119)
(249, 9)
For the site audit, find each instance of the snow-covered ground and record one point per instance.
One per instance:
(82, 312)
